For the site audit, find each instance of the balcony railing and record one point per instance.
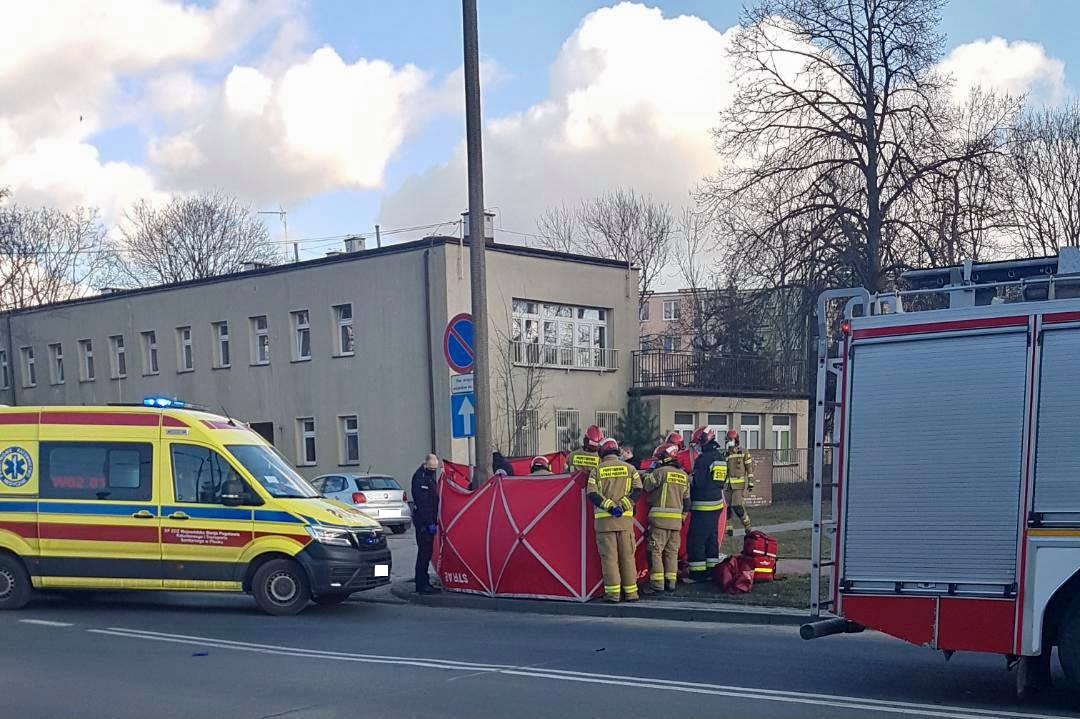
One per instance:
(718, 373)
(556, 356)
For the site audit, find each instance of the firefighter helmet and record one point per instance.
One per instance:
(707, 436)
(733, 436)
(592, 439)
(608, 447)
(540, 462)
(668, 453)
(674, 438)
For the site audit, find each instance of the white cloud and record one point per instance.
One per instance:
(633, 96)
(1016, 68)
(319, 125)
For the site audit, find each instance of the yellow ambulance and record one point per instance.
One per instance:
(163, 496)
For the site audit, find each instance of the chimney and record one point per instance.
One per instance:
(489, 225)
(355, 244)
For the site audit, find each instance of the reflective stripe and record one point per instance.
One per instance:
(671, 576)
(600, 514)
(631, 589)
(708, 506)
(662, 514)
(656, 577)
(737, 481)
(611, 589)
(698, 565)
(764, 570)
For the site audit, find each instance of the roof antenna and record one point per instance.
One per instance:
(226, 413)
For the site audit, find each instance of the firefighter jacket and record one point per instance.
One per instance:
(710, 477)
(614, 482)
(668, 490)
(740, 468)
(582, 459)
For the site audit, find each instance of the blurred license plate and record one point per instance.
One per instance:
(389, 513)
(382, 570)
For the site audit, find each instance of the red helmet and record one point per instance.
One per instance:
(540, 462)
(667, 453)
(733, 435)
(675, 438)
(593, 437)
(608, 446)
(695, 437)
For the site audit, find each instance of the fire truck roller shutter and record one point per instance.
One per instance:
(1056, 465)
(934, 465)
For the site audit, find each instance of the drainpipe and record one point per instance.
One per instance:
(11, 361)
(430, 350)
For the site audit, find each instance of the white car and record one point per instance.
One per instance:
(379, 496)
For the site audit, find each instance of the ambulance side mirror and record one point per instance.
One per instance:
(233, 493)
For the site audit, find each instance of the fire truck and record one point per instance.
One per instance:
(947, 463)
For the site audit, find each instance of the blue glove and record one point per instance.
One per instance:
(615, 511)
(432, 529)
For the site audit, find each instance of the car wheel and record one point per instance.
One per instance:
(15, 586)
(398, 528)
(328, 600)
(281, 588)
(1069, 643)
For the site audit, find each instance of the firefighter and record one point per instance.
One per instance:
(668, 490)
(614, 487)
(540, 467)
(740, 479)
(586, 458)
(706, 503)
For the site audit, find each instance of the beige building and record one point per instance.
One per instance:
(339, 361)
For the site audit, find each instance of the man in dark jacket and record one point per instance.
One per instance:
(425, 519)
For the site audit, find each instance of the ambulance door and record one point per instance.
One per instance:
(97, 515)
(202, 539)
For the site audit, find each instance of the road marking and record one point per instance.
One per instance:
(46, 623)
(773, 695)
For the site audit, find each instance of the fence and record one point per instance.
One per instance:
(690, 370)
(558, 356)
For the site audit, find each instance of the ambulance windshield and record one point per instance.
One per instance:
(269, 470)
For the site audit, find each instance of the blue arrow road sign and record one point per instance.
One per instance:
(457, 343)
(461, 414)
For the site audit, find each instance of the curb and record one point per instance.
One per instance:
(667, 609)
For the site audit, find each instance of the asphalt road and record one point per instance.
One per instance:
(170, 655)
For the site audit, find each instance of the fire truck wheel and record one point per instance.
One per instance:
(1069, 643)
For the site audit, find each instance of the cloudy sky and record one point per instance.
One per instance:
(350, 113)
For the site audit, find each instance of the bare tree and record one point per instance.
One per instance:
(518, 394)
(1044, 189)
(50, 255)
(620, 225)
(192, 237)
(695, 248)
(841, 116)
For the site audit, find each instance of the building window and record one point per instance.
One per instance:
(567, 429)
(607, 421)
(643, 312)
(56, 363)
(561, 336)
(222, 357)
(343, 319)
(260, 340)
(718, 423)
(120, 471)
(684, 424)
(119, 356)
(149, 348)
(305, 450)
(301, 321)
(86, 363)
(781, 437)
(5, 370)
(526, 439)
(29, 370)
(185, 357)
(672, 310)
(750, 431)
(350, 439)
(671, 343)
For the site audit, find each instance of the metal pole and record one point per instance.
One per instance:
(482, 417)
(378, 236)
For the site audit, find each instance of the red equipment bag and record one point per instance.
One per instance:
(758, 544)
(735, 575)
(764, 569)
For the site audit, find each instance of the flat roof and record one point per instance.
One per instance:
(358, 256)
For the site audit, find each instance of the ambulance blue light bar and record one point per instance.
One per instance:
(164, 403)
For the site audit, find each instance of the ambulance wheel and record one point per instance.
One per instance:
(281, 588)
(1069, 643)
(15, 587)
(327, 600)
